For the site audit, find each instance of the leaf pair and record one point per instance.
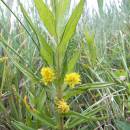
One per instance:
(68, 33)
(49, 21)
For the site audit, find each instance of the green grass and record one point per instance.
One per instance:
(98, 50)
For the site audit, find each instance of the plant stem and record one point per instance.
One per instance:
(61, 122)
(59, 91)
(60, 96)
(61, 118)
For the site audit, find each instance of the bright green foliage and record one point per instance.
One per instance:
(28, 103)
(68, 32)
(46, 16)
(61, 9)
(45, 49)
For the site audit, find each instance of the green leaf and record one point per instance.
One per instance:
(91, 47)
(21, 126)
(86, 116)
(77, 115)
(92, 86)
(2, 108)
(13, 107)
(41, 117)
(28, 19)
(73, 61)
(45, 49)
(45, 120)
(70, 93)
(61, 9)
(120, 72)
(46, 16)
(24, 70)
(68, 32)
(41, 100)
(85, 87)
(87, 120)
(123, 125)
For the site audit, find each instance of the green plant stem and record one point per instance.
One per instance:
(59, 90)
(60, 96)
(61, 122)
(61, 118)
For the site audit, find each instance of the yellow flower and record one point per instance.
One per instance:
(72, 79)
(62, 106)
(47, 75)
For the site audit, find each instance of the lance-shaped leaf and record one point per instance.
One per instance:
(45, 49)
(41, 100)
(61, 9)
(85, 87)
(69, 31)
(2, 108)
(45, 119)
(46, 16)
(73, 61)
(21, 126)
(84, 117)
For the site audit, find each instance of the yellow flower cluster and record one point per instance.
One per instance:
(48, 75)
(72, 79)
(62, 106)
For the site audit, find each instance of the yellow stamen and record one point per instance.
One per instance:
(72, 79)
(62, 106)
(47, 75)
